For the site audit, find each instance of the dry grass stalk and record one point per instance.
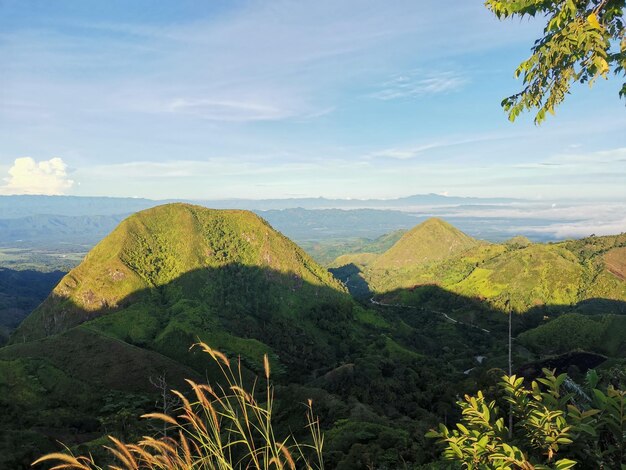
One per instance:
(225, 429)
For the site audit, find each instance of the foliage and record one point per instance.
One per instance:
(153, 248)
(557, 425)
(583, 40)
(224, 427)
(600, 333)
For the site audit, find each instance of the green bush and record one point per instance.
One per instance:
(556, 425)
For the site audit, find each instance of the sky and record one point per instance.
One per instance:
(277, 99)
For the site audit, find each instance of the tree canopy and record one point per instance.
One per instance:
(583, 40)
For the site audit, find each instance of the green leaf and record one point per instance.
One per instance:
(564, 464)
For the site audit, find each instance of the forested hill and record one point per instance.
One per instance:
(517, 275)
(380, 373)
(81, 364)
(154, 248)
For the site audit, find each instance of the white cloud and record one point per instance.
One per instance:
(27, 176)
(583, 229)
(415, 84)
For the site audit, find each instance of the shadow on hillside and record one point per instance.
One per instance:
(350, 275)
(572, 363)
(309, 330)
(472, 310)
(20, 293)
(243, 310)
(376, 367)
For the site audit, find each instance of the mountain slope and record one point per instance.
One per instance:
(155, 247)
(516, 275)
(574, 331)
(522, 278)
(172, 275)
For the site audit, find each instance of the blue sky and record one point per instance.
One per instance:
(263, 99)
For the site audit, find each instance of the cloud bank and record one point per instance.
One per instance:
(27, 176)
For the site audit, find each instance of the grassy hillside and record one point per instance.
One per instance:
(74, 387)
(615, 261)
(430, 241)
(155, 247)
(379, 375)
(171, 275)
(526, 277)
(515, 275)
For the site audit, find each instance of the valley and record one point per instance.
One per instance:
(384, 342)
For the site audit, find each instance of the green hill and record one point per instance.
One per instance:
(175, 274)
(518, 241)
(153, 248)
(325, 251)
(516, 275)
(361, 260)
(531, 276)
(431, 240)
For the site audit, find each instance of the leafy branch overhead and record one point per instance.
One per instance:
(583, 40)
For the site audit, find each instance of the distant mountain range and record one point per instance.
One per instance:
(56, 221)
(24, 206)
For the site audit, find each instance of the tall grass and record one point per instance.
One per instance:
(223, 427)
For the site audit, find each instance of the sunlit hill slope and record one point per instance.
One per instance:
(515, 275)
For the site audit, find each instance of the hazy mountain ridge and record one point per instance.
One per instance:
(25, 205)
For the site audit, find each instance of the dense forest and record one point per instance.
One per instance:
(382, 367)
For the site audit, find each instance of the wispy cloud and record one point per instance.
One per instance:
(216, 110)
(409, 152)
(214, 167)
(418, 83)
(601, 157)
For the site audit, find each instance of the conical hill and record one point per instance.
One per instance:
(432, 240)
(177, 259)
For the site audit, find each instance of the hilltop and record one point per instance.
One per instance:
(429, 241)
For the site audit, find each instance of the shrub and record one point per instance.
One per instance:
(557, 425)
